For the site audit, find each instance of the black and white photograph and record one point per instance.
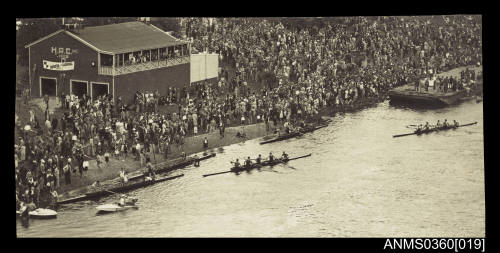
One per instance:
(250, 127)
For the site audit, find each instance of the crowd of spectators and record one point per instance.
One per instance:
(342, 62)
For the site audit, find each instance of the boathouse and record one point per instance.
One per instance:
(116, 59)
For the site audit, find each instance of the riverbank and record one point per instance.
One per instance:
(108, 174)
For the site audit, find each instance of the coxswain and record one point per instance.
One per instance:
(248, 162)
(271, 157)
(237, 164)
(445, 123)
(259, 159)
(284, 156)
(455, 123)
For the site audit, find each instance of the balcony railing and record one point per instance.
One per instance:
(105, 70)
(137, 67)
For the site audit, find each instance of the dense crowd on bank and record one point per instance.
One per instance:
(342, 62)
(338, 65)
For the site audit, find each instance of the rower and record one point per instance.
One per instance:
(248, 163)
(271, 157)
(426, 127)
(284, 156)
(445, 123)
(455, 123)
(237, 164)
(438, 124)
(258, 160)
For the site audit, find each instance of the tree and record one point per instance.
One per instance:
(97, 21)
(168, 24)
(31, 30)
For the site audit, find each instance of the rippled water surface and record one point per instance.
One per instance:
(358, 182)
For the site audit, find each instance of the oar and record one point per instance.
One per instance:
(112, 192)
(244, 160)
(413, 126)
(298, 157)
(213, 174)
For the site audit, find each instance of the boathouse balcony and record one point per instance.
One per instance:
(132, 68)
(126, 63)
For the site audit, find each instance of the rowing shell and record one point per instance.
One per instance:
(128, 187)
(296, 134)
(253, 166)
(433, 130)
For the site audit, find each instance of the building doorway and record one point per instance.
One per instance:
(48, 86)
(78, 88)
(99, 89)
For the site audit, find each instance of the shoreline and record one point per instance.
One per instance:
(109, 174)
(192, 145)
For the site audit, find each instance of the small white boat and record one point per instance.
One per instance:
(42, 213)
(111, 208)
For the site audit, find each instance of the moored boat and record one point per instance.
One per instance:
(111, 208)
(181, 164)
(72, 200)
(123, 188)
(128, 187)
(42, 213)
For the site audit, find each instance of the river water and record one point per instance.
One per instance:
(359, 182)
